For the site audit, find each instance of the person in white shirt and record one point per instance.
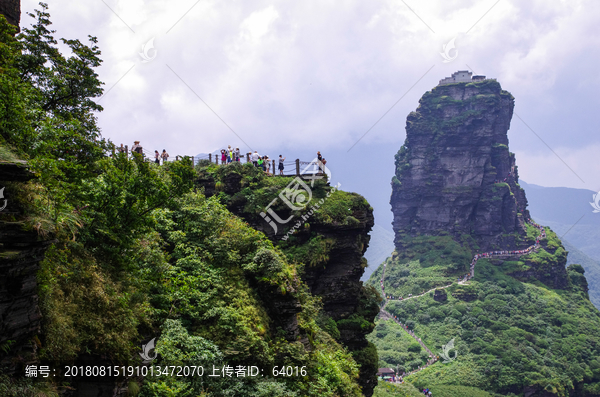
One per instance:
(137, 148)
(255, 158)
(281, 160)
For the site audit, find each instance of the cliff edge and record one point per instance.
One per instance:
(330, 242)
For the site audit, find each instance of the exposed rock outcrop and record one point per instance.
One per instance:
(439, 295)
(455, 173)
(11, 9)
(20, 254)
(336, 280)
(550, 272)
(456, 176)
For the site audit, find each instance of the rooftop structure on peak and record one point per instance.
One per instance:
(462, 76)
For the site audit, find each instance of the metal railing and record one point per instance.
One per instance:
(290, 168)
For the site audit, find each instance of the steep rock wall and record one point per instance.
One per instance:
(455, 173)
(336, 280)
(11, 9)
(20, 254)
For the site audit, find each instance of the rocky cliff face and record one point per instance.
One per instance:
(455, 173)
(336, 279)
(456, 193)
(20, 254)
(11, 9)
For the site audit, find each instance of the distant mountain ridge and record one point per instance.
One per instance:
(569, 213)
(564, 205)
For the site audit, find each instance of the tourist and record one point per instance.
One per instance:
(137, 148)
(320, 161)
(281, 160)
(223, 156)
(157, 157)
(237, 154)
(259, 163)
(165, 156)
(229, 154)
(255, 158)
(268, 164)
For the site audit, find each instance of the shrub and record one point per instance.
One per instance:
(414, 347)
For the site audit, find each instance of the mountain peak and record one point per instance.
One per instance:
(455, 174)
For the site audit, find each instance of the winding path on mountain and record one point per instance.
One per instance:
(492, 254)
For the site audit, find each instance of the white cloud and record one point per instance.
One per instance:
(258, 24)
(303, 74)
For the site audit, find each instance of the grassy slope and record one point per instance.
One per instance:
(394, 345)
(513, 334)
(385, 389)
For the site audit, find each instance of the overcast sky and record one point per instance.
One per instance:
(296, 77)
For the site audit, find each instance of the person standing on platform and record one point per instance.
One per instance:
(281, 160)
(137, 148)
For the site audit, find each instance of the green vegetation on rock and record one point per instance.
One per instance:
(385, 389)
(509, 334)
(136, 253)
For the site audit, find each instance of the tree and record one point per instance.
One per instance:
(47, 107)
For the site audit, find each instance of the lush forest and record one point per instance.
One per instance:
(139, 251)
(510, 333)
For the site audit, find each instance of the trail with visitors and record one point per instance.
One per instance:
(492, 254)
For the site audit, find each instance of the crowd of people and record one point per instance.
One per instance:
(434, 358)
(138, 149)
(505, 179)
(264, 162)
(228, 156)
(496, 253)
